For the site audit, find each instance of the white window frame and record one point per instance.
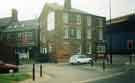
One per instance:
(78, 34)
(100, 34)
(100, 21)
(89, 20)
(78, 19)
(89, 34)
(66, 18)
(51, 21)
(66, 33)
(90, 48)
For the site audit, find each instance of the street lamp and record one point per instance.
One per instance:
(110, 46)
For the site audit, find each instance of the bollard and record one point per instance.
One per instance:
(103, 64)
(130, 59)
(41, 70)
(92, 63)
(104, 67)
(33, 72)
(111, 59)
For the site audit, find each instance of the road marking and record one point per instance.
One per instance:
(100, 78)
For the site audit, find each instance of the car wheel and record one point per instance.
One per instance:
(78, 62)
(72, 63)
(11, 71)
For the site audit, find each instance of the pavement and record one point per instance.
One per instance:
(59, 73)
(37, 80)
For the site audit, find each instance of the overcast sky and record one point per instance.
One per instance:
(29, 9)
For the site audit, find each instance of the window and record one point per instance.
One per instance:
(78, 19)
(89, 34)
(4, 37)
(100, 49)
(73, 32)
(26, 36)
(51, 21)
(66, 30)
(100, 34)
(22, 25)
(43, 50)
(78, 34)
(0, 36)
(29, 36)
(99, 22)
(15, 26)
(11, 36)
(80, 49)
(90, 48)
(89, 20)
(66, 18)
(19, 36)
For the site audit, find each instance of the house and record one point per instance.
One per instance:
(65, 31)
(23, 36)
(7, 51)
(120, 33)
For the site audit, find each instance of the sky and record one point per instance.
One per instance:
(30, 9)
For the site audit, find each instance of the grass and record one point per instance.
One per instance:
(13, 78)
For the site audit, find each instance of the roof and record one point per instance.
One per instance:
(5, 22)
(120, 19)
(22, 26)
(55, 7)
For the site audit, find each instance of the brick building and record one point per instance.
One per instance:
(7, 51)
(23, 36)
(66, 30)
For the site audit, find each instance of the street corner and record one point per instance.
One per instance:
(38, 79)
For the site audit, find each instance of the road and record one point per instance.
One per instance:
(65, 73)
(127, 77)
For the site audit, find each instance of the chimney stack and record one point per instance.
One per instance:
(14, 15)
(67, 4)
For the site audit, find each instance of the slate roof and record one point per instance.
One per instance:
(121, 18)
(22, 26)
(55, 6)
(4, 22)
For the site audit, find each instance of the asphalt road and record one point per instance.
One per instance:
(65, 73)
(127, 77)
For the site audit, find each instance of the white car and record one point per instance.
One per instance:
(77, 59)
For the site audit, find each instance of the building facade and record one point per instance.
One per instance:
(120, 33)
(21, 35)
(65, 31)
(7, 52)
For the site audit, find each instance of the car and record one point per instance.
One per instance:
(22, 55)
(7, 68)
(79, 58)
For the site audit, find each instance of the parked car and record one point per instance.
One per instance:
(7, 68)
(78, 58)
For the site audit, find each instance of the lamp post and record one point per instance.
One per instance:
(110, 46)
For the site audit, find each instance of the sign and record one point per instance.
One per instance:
(100, 47)
(130, 44)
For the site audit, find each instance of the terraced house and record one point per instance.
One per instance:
(21, 35)
(65, 31)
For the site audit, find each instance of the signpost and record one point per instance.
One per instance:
(101, 49)
(130, 48)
